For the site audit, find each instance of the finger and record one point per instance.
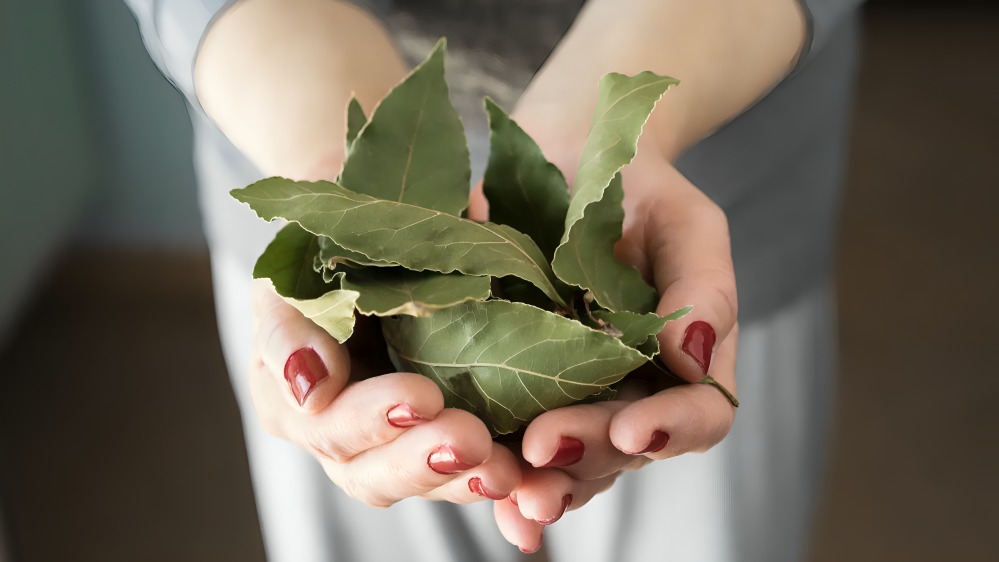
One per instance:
(575, 439)
(686, 240)
(545, 494)
(682, 419)
(524, 533)
(367, 414)
(423, 458)
(478, 205)
(493, 479)
(311, 365)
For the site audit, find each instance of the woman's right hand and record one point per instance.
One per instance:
(380, 439)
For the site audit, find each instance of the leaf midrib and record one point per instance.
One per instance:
(502, 238)
(412, 144)
(557, 378)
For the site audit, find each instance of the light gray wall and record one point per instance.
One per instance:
(95, 145)
(147, 192)
(48, 165)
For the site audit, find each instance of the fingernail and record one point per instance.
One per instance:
(475, 485)
(566, 501)
(569, 451)
(401, 416)
(698, 341)
(513, 499)
(658, 441)
(303, 371)
(445, 461)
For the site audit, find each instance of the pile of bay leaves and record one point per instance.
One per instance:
(512, 317)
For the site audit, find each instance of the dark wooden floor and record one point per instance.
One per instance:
(115, 408)
(120, 438)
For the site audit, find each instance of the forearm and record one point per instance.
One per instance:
(275, 75)
(726, 53)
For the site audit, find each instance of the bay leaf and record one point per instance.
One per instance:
(332, 254)
(613, 285)
(333, 311)
(623, 106)
(413, 237)
(288, 263)
(678, 313)
(518, 290)
(640, 330)
(605, 395)
(387, 291)
(413, 147)
(635, 328)
(524, 189)
(508, 362)
(356, 120)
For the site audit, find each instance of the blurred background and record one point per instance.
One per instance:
(120, 438)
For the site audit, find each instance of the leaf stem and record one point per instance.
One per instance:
(605, 327)
(708, 380)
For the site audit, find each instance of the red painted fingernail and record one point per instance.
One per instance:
(698, 342)
(443, 460)
(402, 416)
(566, 501)
(658, 441)
(569, 451)
(303, 371)
(476, 487)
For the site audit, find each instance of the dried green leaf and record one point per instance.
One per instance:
(288, 261)
(623, 106)
(413, 147)
(332, 254)
(525, 190)
(413, 237)
(518, 290)
(356, 120)
(639, 330)
(635, 328)
(333, 312)
(387, 291)
(508, 362)
(678, 313)
(613, 285)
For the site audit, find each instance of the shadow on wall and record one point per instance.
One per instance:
(95, 151)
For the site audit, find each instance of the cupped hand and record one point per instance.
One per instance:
(379, 438)
(678, 239)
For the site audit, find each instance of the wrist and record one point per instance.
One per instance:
(726, 55)
(276, 75)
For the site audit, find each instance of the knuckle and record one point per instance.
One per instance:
(320, 442)
(713, 214)
(365, 493)
(725, 293)
(407, 479)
